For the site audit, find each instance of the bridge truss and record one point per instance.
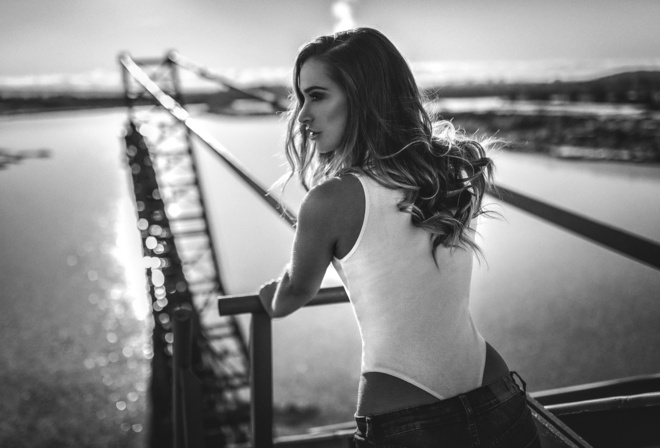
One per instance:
(181, 262)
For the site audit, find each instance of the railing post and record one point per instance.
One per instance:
(187, 429)
(181, 357)
(261, 380)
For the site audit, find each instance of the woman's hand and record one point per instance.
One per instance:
(266, 295)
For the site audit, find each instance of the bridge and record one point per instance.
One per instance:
(213, 386)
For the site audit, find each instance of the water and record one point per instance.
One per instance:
(560, 309)
(74, 363)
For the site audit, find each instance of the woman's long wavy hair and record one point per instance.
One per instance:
(390, 137)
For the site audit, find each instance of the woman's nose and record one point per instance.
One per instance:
(303, 115)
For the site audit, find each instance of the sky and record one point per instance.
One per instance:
(47, 41)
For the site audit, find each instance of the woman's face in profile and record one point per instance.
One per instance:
(325, 106)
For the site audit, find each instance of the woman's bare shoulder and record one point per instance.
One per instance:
(337, 192)
(338, 205)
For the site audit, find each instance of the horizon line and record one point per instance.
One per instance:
(427, 73)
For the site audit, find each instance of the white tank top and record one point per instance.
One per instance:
(413, 316)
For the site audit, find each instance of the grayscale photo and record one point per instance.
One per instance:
(331, 223)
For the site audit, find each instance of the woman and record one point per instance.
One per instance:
(391, 204)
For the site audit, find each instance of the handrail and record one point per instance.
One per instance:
(628, 244)
(261, 355)
(261, 333)
(178, 112)
(250, 304)
(608, 403)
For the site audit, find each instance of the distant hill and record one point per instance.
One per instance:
(638, 87)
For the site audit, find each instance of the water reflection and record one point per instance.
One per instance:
(119, 361)
(74, 318)
(9, 157)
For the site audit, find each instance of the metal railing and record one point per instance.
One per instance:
(261, 356)
(630, 245)
(633, 246)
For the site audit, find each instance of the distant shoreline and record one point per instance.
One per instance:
(637, 88)
(611, 118)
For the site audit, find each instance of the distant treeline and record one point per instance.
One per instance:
(639, 87)
(28, 102)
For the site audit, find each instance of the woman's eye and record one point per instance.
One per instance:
(315, 96)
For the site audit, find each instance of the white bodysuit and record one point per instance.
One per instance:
(413, 315)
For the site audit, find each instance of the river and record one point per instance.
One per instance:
(560, 309)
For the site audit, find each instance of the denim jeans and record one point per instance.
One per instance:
(494, 416)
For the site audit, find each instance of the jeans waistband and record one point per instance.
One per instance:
(480, 399)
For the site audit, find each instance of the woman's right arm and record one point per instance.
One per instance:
(318, 230)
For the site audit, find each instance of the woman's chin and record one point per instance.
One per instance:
(324, 151)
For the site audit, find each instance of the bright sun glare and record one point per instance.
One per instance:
(128, 254)
(342, 10)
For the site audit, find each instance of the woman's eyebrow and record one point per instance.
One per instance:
(309, 89)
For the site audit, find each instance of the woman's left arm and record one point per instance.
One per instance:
(313, 248)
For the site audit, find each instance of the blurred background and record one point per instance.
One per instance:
(573, 86)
